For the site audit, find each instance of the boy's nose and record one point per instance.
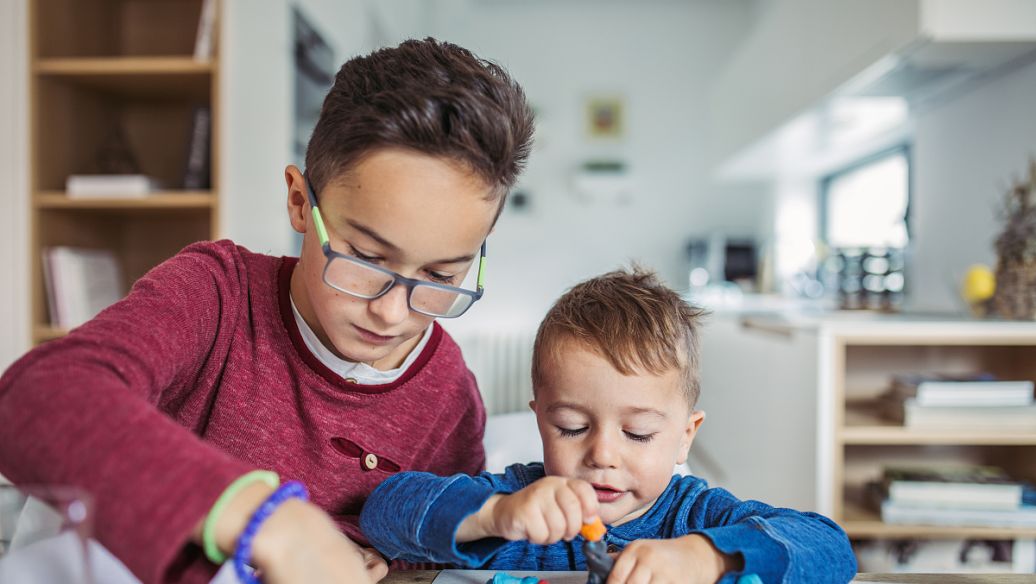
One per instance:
(602, 452)
(392, 308)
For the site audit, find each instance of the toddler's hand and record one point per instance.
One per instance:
(549, 510)
(688, 559)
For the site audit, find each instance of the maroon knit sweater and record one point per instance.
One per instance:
(199, 376)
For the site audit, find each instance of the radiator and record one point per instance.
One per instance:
(502, 363)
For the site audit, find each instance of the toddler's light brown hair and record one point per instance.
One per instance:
(630, 318)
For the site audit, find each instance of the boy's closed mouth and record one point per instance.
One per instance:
(372, 337)
(607, 493)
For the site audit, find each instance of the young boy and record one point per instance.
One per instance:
(615, 377)
(327, 369)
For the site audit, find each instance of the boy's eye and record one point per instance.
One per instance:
(570, 432)
(639, 437)
(447, 279)
(357, 254)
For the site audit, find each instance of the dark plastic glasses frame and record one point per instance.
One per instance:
(410, 283)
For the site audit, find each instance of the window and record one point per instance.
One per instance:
(866, 205)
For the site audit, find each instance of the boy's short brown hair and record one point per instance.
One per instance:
(429, 96)
(631, 319)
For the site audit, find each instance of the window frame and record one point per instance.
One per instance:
(874, 158)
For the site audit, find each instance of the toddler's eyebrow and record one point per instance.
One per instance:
(564, 406)
(652, 411)
(395, 248)
(630, 410)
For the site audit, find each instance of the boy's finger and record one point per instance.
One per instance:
(624, 564)
(641, 574)
(555, 518)
(587, 498)
(569, 503)
(536, 528)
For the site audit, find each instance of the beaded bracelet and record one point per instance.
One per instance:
(208, 537)
(243, 553)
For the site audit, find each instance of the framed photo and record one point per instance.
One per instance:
(605, 117)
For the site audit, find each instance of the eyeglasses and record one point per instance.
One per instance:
(363, 279)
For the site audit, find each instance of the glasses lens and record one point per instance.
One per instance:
(356, 278)
(438, 302)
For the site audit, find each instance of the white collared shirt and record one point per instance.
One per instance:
(362, 373)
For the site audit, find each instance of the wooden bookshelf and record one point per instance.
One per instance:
(42, 333)
(863, 425)
(113, 67)
(862, 361)
(156, 200)
(861, 523)
(99, 65)
(134, 77)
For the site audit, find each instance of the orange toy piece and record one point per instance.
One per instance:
(593, 531)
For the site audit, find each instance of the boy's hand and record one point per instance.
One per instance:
(377, 567)
(549, 510)
(299, 543)
(687, 559)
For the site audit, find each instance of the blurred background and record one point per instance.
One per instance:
(831, 178)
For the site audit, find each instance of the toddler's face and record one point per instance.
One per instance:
(420, 216)
(623, 434)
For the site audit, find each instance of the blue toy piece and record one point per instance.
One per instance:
(749, 579)
(505, 578)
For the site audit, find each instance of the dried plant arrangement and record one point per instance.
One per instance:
(1015, 296)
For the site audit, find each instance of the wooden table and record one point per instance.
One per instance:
(426, 576)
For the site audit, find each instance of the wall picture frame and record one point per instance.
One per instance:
(605, 117)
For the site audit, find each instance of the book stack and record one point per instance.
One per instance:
(80, 283)
(110, 185)
(958, 496)
(197, 170)
(978, 401)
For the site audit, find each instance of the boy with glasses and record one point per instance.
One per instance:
(327, 368)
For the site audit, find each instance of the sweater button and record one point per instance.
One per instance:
(351, 380)
(370, 461)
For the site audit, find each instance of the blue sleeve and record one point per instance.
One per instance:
(778, 545)
(414, 516)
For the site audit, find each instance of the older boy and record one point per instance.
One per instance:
(615, 377)
(327, 368)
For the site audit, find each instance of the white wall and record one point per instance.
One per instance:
(14, 167)
(797, 53)
(561, 53)
(965, 154)
(257, 101)
(661, 56)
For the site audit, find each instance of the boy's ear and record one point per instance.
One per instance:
(694, 422)
(297, 207)
(532, 405)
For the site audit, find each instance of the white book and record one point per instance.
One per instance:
(110, 185)
(204, 41)
(80, 283)
(975, 393)
(912, 515)
(955, 495)
(991, 418)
